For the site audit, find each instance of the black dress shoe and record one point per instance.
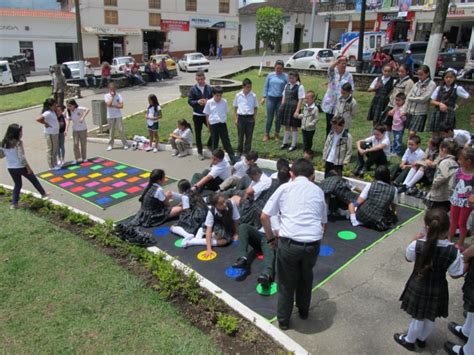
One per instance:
(303, 314)
(355, 172)
(241, 263)
(291, 149)
(402, 189)
(284, 146)
(452, 328)
(264, 280)
(421, 343)
(449, 347)
(400, 339)
(283, 325)
(362, 172)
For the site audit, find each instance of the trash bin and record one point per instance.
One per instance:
(99, 114)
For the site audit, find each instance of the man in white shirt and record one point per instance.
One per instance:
(375, 148)
(245, 113)
(303, 216)
(114, 102)
(216, 117)
(211, 179)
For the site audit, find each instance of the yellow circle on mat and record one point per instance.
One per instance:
(201, 256)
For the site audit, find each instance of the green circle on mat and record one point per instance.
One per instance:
(347, 235)
(269, 292)
(178, 243)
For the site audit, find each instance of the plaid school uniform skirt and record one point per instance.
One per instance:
(286, 112)
(415, 122)
(439, 119)
(468, 290)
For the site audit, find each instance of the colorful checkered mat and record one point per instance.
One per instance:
(99, 181)
(341, 245)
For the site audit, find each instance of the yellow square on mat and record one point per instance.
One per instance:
(145, 175)
(70, 175)
(47, 175)
(93, 176)
(120, 175)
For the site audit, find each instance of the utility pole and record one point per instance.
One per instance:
(360, 49)
(313, 13)
(80, 52)
(436, 35)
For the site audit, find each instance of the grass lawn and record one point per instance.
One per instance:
(24, 99)
(361, 127)
(60, 294)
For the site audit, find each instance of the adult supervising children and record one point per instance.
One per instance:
(303, 215)
(114, 102)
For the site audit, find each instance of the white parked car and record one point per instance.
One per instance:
(193, 62)
(74, 66)
(118, 63)
(311, 58)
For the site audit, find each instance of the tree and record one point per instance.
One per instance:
(269, 23)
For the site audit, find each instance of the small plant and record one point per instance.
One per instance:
(3, 191)
(104, 233)
(250, 336)
(36, 204)
(62, 211)
(78, 219)
(228, 324)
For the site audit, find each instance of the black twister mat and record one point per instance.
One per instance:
(336, 254)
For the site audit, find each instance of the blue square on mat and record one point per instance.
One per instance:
(133, 171)
(108, 171)
(103, 200)
(82, 171)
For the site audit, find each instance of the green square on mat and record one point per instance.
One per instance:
(119, 195)
(90, 194)
(96, 167)
(120, 167)
(73, 167)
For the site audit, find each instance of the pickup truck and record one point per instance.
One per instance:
(13, 69)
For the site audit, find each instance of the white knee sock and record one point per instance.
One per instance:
(354, 220)
(428, 328)
(410, 175)
(294, 138)
(286, 136)
(181, 232)
(200, 241)
(414, 330)
(469, 346)
(417, 177)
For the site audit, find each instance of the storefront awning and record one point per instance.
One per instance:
(112, 31)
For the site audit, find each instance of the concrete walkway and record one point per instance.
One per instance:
(356, 312)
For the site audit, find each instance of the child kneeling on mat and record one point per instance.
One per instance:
(220, 227)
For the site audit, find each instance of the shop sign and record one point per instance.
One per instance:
(9, 28)
(207, 22)
(461, 13)
(174, 25)
(117, 31)
(403, 8)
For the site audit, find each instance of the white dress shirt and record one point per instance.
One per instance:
(302, 210)
(52, 120)
(210, 217)
(301, 93)
(113, 112)
(75, 117)
(159, 193)
(332, 151)
(246, 104)
(241, 168)
(221, 170)
(460, 91)
(384, 81)
(385, 140)
(261, 185)
(410, 157)
(217, 111)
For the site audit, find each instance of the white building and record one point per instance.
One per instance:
(46, 37)
(297, 27)
(118, 27)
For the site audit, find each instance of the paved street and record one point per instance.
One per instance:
(356, 312)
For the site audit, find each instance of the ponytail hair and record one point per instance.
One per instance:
(71, 102)
(437, 225)
(47, 104)
(195, 198)
(184, 123)
(155, 176)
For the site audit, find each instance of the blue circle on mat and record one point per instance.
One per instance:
(235, 243)
(326, 250)
(162, 231)
(234, 273)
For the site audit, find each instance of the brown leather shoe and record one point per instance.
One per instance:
(265, 138)
(277, 136)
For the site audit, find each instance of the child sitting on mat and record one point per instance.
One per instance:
(194, 210)
(239, 172)
(282, 162)
(337, 191)
(211, 179)
(220, 227)
(426, 294)
(155, 208)
(413, 154)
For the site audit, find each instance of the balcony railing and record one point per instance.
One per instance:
(336, 5)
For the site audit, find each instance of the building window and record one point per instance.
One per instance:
(154, 4)
(154, 19)
(191, 5)
(110, 2)
(224, 6)
(111, 17)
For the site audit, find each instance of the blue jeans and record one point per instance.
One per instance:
(61, 150)
(397, 142)
(273, 105)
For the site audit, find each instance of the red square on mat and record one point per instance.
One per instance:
(109, 163)
(77, 189)
(133, 189)
(86, 164)
(105, 189)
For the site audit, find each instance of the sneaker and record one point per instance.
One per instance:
(57, 167)
(265, 138)
(174, 153)
(277, 136)
(125, 147)
(201, 157)
(149, 149)
(74, 162)
(264, 281)
(46, 195)
(402, 189)
(109, 148)
(182, 155)
(241, 263)
(412, 191)
(155, 150)
(13, 207)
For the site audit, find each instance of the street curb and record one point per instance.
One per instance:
(276, 334)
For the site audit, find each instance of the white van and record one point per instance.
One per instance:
(6, 73)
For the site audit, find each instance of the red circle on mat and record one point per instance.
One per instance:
(260, 256)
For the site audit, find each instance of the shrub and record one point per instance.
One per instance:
(228, 324)
(78, 219)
